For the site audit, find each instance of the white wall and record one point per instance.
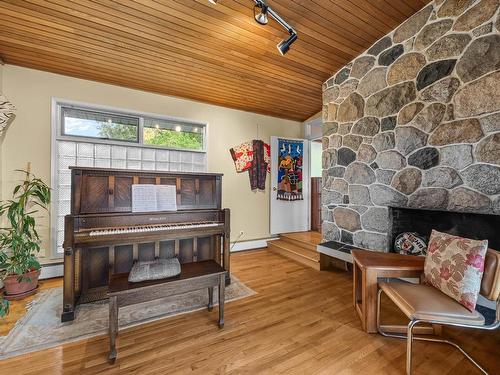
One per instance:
(29, 135)
(316, 157)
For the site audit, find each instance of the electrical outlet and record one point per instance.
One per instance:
(241, 233)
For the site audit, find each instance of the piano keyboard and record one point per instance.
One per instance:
(153, 228)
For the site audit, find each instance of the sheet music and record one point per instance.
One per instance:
(166, 198)
(143, 198)
(150, 198)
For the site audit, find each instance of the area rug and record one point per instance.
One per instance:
(41, 327)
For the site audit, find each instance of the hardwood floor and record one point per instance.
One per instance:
(301, 321)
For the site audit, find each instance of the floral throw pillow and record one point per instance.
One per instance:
(455, 265)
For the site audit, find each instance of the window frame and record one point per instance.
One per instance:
(58, 124)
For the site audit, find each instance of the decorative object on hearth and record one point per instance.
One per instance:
(253, 156)
(7, 110)
(410, 243)
(19, 240)
(290, 158)
(154, 270)
(455, 266)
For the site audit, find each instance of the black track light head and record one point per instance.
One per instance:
(284, 45)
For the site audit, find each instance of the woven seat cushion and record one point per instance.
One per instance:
(455, 265)
(154, 270)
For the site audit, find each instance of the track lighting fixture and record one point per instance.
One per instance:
(260, 13)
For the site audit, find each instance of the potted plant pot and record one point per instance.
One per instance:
(15, 289)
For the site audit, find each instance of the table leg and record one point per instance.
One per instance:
(222, 298)
(369, 296)
(113, 328)
(210, 298)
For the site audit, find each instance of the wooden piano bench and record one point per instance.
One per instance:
(193, 276)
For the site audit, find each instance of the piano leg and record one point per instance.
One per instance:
(226, 255)
(222, 299)
(210, 298)
(69, 286)
(113, 328)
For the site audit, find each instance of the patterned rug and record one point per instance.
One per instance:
(41, 327)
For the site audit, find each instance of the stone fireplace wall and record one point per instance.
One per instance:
(414, 122)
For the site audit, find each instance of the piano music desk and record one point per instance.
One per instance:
(193, 276)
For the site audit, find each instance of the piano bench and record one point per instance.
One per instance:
(193, 276)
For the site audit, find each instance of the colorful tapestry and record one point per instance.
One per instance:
(290, 157)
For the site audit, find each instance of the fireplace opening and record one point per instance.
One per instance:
(468, 225)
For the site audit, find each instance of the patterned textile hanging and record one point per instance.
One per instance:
(254, 157)
(290, 159)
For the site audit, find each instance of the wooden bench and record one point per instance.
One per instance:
(193, 276)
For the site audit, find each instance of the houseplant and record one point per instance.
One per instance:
(19, 239)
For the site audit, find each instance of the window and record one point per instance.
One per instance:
(144, 130)
(98, 137)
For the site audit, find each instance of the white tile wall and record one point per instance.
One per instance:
(85, 154)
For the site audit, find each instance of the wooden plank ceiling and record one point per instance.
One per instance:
(193, 49)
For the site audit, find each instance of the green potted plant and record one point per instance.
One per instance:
(19, 240)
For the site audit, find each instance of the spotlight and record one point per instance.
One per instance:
(284, 45)
(260, 17)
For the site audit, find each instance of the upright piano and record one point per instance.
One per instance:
(104, 237)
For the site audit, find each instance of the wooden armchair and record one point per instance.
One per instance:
(426, 304)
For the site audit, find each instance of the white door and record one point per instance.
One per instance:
(289, 215)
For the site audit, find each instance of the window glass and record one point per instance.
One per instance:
(173, 134)
(84, 123)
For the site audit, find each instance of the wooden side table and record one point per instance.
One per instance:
(368, 266)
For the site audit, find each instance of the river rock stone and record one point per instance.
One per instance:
(496, 204)
(332, 109)
(488, 150)
(345, 128)
(434, 72)
(339, 185)
(342, 75)
(330, 95)
(384, 176)
(387, 57)
(463, 199)
(430, 117)
(444, 177)
(478, 97)
(429, 198)
(408, 112)
(346, 237)
(379, 46)
(383, 195)
(424, 158)
(483, 177)
(329, 128)
(361, 66)
(368, 126)
(481, 57)
(405, 68)
(366, 153)
(329, 197)
(352, 141)
(336, 172)
(384, 141)
(390, 100)
(408, 139)
(459, 131)
(348, 87)
(432, 32)
(373, 81)
(335, 141)
(412, 25)
(351, 108)
(453, 8)
(388, 123)
(441, 91)
(448, 46)
(481, 30)
(329, 158)
(369, 240)
(359, 173)
(324, 143)
(346, 156)
(490, 123)
(359, 195)
(390, 160)
(330, 231)
(407, 180)
(376, 219)
(457, 156)
(347, 219)
(475, 16)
